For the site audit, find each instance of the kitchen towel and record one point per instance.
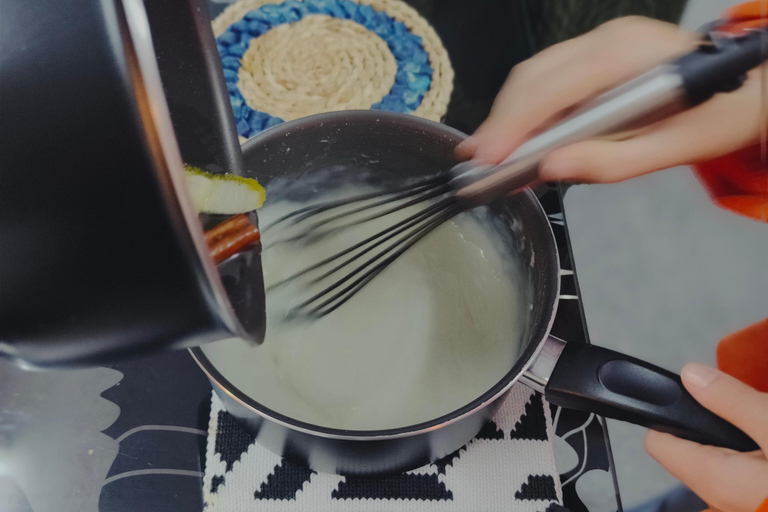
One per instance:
(509, 466)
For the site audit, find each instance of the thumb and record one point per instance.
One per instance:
(729, 398)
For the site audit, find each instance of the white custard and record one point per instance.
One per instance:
(434, 331)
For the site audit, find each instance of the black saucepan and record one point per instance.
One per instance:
(573, 375)
(101, 252)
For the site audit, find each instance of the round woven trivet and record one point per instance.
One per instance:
(292, 59)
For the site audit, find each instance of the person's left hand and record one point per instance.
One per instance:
(726, 480)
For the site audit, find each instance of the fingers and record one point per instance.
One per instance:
(541, 89)
(724, 479)
(521, 104)
(720, 126)
(731, 399)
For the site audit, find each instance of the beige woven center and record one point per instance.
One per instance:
(317, 64)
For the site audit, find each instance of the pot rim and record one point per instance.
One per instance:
(519, 366)
(158, 128)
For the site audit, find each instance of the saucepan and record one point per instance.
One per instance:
(392, 147)
(102, 252)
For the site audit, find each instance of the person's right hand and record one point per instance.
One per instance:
(544, 88)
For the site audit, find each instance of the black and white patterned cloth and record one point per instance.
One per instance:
(509, 466)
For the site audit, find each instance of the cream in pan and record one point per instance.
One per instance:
(434, 331)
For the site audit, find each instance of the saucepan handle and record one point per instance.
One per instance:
(614, 385)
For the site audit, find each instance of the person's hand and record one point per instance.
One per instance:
(544, 88)
(726, 480)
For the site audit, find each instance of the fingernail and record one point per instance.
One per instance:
(464, 150)
(698, 375)
(469, 141)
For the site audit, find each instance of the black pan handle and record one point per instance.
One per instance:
(614, 385)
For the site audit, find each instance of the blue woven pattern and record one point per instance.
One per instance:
(412, 81)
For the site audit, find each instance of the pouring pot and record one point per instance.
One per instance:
(392, 147)
(101, 252)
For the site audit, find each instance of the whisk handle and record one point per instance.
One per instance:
(659, 93)
(656, 93)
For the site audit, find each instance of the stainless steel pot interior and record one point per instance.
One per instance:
(383, 148)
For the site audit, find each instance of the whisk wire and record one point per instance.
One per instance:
(315, 209)
(417, 189)
(388, 243)
(387, 235)
(443, 205)
(449, 209)
(427, 195)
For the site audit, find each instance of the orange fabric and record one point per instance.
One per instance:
(763, 507)
(744, 11)
(744, 355)
(740, 26)
(739, 181)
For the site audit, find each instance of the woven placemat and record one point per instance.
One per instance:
(509, 466)
(285, 60)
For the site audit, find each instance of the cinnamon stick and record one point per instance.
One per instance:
(238, 234)
(237, 222)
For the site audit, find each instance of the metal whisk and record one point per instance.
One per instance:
(398, 237)
(658, 93)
